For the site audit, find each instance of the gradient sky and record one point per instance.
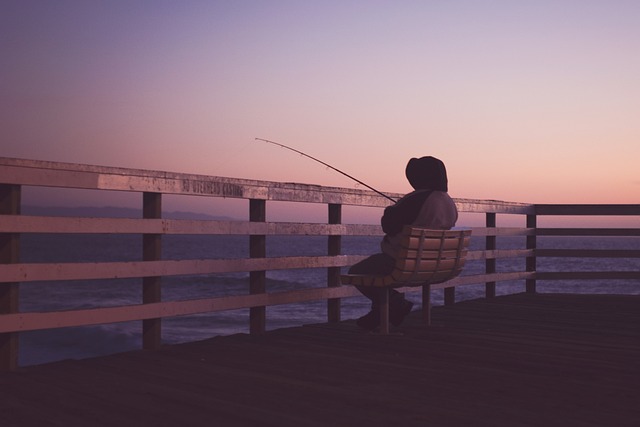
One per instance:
(535, 101)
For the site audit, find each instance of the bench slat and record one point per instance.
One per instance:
(430, 254)
(432, 243)
(427, 257)
(427, 266)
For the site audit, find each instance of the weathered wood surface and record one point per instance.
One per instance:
(94, 316)
(587, 209)
(518, 360)
(29, 272)
(41, 224)
(588, 232)
(29, 321)
(71, 175)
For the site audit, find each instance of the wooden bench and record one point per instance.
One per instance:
(427, 257)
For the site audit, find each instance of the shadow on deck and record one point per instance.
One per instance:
(517, 360)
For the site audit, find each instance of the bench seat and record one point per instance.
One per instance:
(426, 257)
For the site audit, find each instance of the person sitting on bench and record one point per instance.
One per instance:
(429, 205)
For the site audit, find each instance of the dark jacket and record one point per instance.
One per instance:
(428, 206)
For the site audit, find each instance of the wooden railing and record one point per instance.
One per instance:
(16, 174)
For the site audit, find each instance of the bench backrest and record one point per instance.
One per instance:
(430, 256)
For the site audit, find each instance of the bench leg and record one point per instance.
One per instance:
(426, 305)
(384, 311)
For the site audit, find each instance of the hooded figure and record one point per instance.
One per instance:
(430, 206)
(427, 173)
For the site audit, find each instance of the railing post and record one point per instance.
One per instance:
(450, 295)
(9, 292)
(490, 263)
(334, 246)
(531, 261)
(257, 279)
(151, 286)
(449, 298)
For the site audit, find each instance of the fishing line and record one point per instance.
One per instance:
(327, 165)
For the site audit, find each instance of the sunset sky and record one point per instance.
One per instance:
(525, 101)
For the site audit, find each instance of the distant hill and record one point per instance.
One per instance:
(112, 212)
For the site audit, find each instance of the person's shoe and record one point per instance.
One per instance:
(369, 321)
(399, 310)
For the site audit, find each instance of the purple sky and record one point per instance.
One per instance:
(524, 101)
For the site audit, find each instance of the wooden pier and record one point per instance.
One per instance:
(519, 360)
(516, 360)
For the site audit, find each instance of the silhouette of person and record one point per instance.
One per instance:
(430, 206)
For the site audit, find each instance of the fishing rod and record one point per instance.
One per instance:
(327, 165)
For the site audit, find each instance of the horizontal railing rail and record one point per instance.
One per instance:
(149, 265)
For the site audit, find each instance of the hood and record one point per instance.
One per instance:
(427, 173)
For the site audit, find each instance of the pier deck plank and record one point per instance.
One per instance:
(516, 360)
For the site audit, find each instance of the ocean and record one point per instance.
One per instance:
(82, 342)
